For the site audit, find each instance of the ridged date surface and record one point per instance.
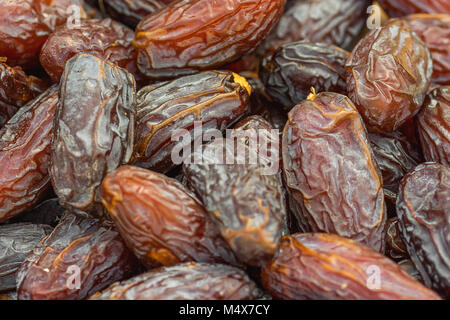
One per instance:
(337, 22)
(104, 38)
(395, 247)
(423, 209)
(160, 221)
(93, 129)
(398, 8)
(189, 281)
(329, 267)
(296, 67)
(25, 142)
(16, 241)
(131, 12)
(433, 123)
(79, 249)
(193, 35)
(216, 98)
(330, 170)
(388, 74)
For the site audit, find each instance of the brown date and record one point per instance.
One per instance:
(326, 266)
(131, 12)
(433, 123)
(216, 98)
(395, 247)
(208, 34)
(423, 209)
(398, 8)
(93, 129)
(388, 74)
(331, 173)
(188, 281)
(160, 221)
(25, 142)
(47, 212)
(79, 244)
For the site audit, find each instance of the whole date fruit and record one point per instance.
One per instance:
(296, 67)
(388, 74)
(331, 173)
(400, 8)
(16, 241)
(80, 249)
(193, 35)
(326, 266)
(433, 123)
(216, 98)
(104, 38)
(25, 142)
(188, 281)
(93, 129)
(131, 12)
(160, 221)
(423, 209)
(337, 22)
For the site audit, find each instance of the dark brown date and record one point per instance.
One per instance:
(79, 249)
(93, 129)
(208, 34)
(160, 221)
(409, 267)
(329, 267)
(131, 12)
(423, 209)
(296, 67)
(216, 98)
(399, 8)
(388, 74)
(188, 281)
(395, 247)
(16, 241)
(331, 173)
(433, 123)
(47, 212)
(25, 142)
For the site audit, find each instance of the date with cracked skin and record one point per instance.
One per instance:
(25, 142)
(194, 35)
(16, 241)
(433, 123)
(423, 209)
(328, 267)
(399, 8)
(388, 74)
(330, 171)
(93, 129)
(80, 249)
(216, 98)
(160, 221)
(188, 281)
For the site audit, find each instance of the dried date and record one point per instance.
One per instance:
(47, 212)
(400, 8)
(395, 247)
(131, 12)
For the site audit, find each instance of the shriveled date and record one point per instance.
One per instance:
(93, 129)
(398, 8)
(131, 12)
(160, 221)
(331, 174)
(188, 281)
(325, 266)
(193, 35)
(423, 208)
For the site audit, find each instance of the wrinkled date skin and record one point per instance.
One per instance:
(399, 8)
(245, 200)
(433, 123)
(330, 171)
(25, 142)
(216, 98)
(104, 38)
(16, 89)
(193, 35)
(131, 12)
(395, 247)
(328, 267)
(337, 22)
(16, 241)
(78, 244)
(388, 74)
(93, 129)
(296, 67)
(160, 221)
(423, 208)
(26, 24)
(188, 281)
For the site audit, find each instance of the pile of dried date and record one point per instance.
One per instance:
(344, 104)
